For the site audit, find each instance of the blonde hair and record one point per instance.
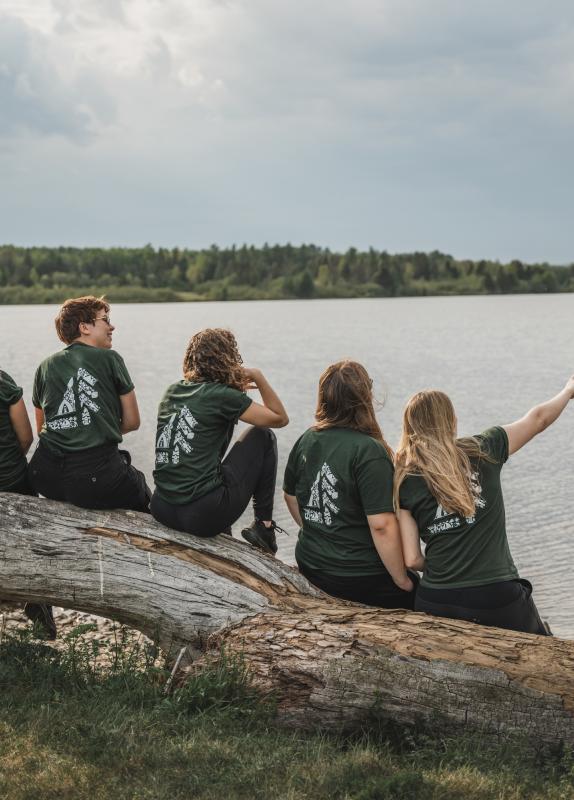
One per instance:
(429, 447)
(345, 400)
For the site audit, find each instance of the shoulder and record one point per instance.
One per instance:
(10, 393)
(307, 438)
(46, 362)
(494, 442)
(173, 390)
(110, 356)
(369, 449)
(223, 391)
(413, 490)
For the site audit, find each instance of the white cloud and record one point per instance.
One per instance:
(245, 102)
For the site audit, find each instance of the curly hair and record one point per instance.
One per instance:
(212, 356)
(75, 311)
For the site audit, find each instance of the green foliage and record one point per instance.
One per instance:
(48, 275)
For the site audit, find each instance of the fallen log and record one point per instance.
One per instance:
(331, 664)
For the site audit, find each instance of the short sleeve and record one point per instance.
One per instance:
(494, 441)
(290, 477)
(375, 485)
(405, 495)
(38, 388)
(122, 379)
(9, 392)
(234, 403)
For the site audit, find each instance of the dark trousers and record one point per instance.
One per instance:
(371, 590)
(248, 471)
(507, 604)
(101, 477)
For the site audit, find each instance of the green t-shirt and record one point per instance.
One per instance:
(338, 476)
(465, 551)
(79, 389)
(12, 460)
(194, 427)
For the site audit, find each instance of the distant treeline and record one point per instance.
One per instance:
(46, 275)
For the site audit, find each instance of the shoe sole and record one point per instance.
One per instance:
(253, 538)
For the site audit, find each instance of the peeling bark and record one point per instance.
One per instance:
(331, 664)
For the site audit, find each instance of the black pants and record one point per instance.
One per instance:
(507, 604)
(101, 477)
(371, 590)
(249, 470)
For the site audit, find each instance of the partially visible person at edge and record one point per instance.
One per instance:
(339, 490)
(199, 489)
(85, 401)
(449, 495)
(15, 440)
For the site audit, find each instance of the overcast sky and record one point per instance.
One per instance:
(399, 124)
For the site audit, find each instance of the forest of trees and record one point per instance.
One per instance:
(47, 275)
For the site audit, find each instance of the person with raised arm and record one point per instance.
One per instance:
(16, 438)
(199, 489)
(339, 490)
(85, 402)
(448, 494)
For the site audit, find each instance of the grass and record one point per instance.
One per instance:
(76, 725)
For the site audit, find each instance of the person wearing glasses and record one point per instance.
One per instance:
(85, 402)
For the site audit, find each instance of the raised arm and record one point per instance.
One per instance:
(272, 413)
(411, 541)
(387, 541)
(538, 418)
(21, 424)
(130, 412)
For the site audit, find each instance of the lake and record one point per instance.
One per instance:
(495, 356)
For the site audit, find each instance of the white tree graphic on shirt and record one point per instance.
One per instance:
(175, 436)
(79, 396)
(321, 506)
(446, 521)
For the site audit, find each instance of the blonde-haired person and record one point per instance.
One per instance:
(199, 489)
(339, 490)
(449, 495)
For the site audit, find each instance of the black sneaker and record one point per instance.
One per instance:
(226, 532)
(262, 537)
(41, 614)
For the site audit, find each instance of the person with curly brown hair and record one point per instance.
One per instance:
(199, 489)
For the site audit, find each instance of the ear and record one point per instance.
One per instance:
(85, 328)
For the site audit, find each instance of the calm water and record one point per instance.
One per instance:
(495, 356)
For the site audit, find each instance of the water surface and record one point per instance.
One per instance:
(495, 357)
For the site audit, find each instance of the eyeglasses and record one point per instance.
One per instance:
(105, 318)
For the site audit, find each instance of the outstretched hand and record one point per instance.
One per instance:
(570, 386)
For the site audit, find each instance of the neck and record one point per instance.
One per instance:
(82, 339)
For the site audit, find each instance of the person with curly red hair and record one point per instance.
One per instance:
(199, 489)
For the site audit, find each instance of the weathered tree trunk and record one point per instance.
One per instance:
(332, 664)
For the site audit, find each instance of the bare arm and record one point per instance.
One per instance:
(130, 412)
(538, 419)
(411, 541)
(21, 424)
(272, 413)
(293, 506)
(39, 416)
(387, 540)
